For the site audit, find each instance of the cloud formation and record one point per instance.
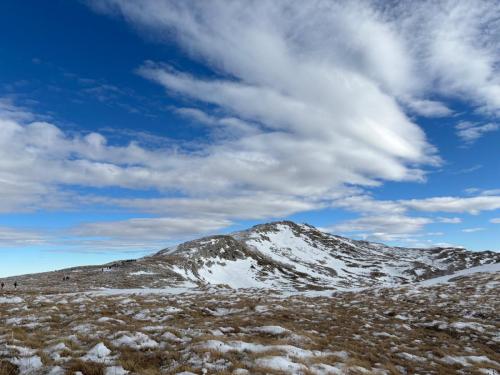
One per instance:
(384, 228)
(472, 230)
(305, 102)
(148, 229)
(470, 132)
(14, 237)
(391, 220)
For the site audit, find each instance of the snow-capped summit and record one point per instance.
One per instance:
(299, 256)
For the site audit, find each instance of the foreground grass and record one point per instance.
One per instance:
(443, 329)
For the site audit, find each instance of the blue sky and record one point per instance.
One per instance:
(126, 127)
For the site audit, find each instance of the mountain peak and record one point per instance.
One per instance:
(281, 255)
(275, 224)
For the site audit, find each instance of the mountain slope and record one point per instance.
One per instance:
(289, 255)
(281, 255)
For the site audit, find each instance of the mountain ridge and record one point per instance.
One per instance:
(279, 255)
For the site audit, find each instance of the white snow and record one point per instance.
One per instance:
(115, 370)
(186, 288)
(11, 300)
(236, 274)
(467, 360)
(99, 353)
(28, 365)
(170, 337)
(56, 370)
(460, 326)
(494, 267)
(241, 346)
(281, 364)
(138, 340)
(106, 319)
(271, 330)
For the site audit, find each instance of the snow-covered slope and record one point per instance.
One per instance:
(281, 256)
(292, 256)
(486, 268)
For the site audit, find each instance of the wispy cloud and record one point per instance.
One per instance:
(449, 220)
(142, 229)
(385, 228)
(394, 220)
(468, 170)
(472, 230)
(15, 237)
(472, 205)
(428, 108)
(470, 132)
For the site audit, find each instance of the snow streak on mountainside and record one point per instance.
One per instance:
(281, 255)
(288, 255)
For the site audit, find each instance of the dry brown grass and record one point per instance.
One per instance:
(7, 368)
(87, 368)
(350, 322)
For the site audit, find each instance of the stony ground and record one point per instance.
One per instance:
(439, 329)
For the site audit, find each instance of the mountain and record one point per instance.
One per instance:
(304, 315)
(279, 255)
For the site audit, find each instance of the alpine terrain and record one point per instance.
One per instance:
(278, 298)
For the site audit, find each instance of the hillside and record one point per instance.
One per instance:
(281, 256)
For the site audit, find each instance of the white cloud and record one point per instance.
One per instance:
(14, 237)
(256, 206)
(415, 51)
(368, 205)
(495, 220)
(490, 192)
(143, 229)
(397, 224)
(470, 132)
(428, 108)
(322, 89)
(303, 132)
(468, 170)
(472, 230)
(472, 205)
(390, 220)
(383, 228)
(222, 127)
(449, 220)
(9, 111)
(455, 45)
(325, 99)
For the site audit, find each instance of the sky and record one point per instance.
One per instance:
(127, 127)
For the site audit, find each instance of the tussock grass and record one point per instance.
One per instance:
(7, 368)
(87, 368)
(378, 329)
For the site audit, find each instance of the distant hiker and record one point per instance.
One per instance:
(2, 285)
(15, 284)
